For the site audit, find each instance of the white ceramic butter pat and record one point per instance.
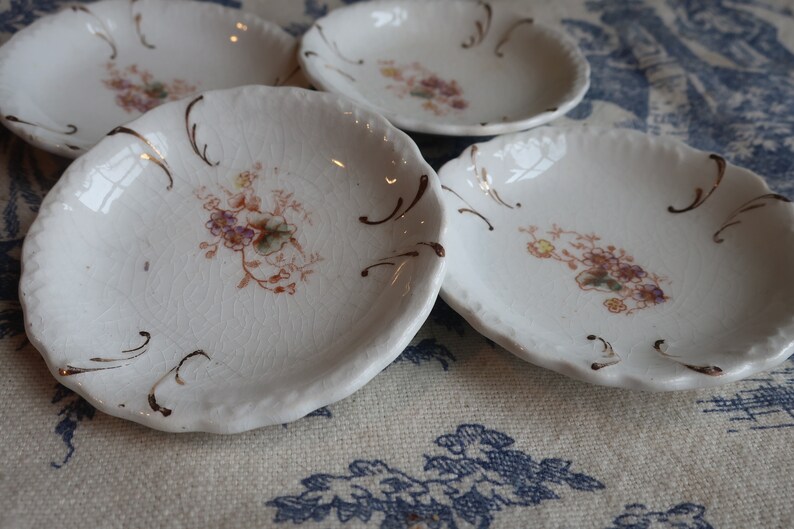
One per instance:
(620, 258)
(447, 67)
(234, 260)
(71, 77)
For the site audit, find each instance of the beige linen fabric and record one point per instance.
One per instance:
(427, 442)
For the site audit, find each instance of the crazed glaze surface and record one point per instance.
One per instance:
(447, 67)
(69, 78)
(233, 261)
(620, 258)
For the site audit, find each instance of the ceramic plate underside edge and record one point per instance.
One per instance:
(235, 260)
(70, 77)
(447, 67)
(619, 258)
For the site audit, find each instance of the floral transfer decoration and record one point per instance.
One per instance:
(138, 91)
(440, 96)
(264, 236)
(600, 268)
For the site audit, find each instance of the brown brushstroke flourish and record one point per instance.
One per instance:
(70, 370)
(498, 51)
(104, 34)
(699, 198)
(482, 176)
(137, 17)
(712, 371)
(607, 348)
(280, 82)
(470, 209)
(309, 53)
(482, 28)
(153, 404)
(71, 128)
(191, 134)
(386, 261)
(423, 182)
(757, 202)
(158, 159)
(335, 48)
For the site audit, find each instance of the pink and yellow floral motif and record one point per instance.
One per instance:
(601, 268)
(415, 80)
(270, 254)
(138, 91)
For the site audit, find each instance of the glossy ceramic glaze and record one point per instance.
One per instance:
(69, 78)
(447, 67)
(620, 258)
(235, 260)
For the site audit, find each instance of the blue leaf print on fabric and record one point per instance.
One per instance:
(682, 516)
(28, 180)
(237, 4)
(769, 404)
(74, 410)
(426, 351)
(722, 85)
(321, 412)
(30, 174)
(438, 150)
(11, 322)
(313, 9)
(20, 13)
(478, 476)
(443, 315)
(324, 412)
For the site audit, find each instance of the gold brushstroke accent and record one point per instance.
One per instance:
(71, 129)
(423, 181)
(70, 370)
(104, 34)
(470, 209)
(153, 404)
(440, 251)
(482, 177)
(158, 160)
(482, 28)
(147, 337)
(365, 272)
(191, 134)
(699, 198)
(137, 17)
(335, 48)
(608, 349)
(712, 371)
(757, 202)
(386, 261)
(498, 51)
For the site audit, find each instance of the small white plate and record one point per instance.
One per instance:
(447, 66)
(71, 77)
(619, 258)
(235, 260)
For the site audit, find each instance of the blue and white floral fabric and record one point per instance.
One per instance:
(457, 433)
